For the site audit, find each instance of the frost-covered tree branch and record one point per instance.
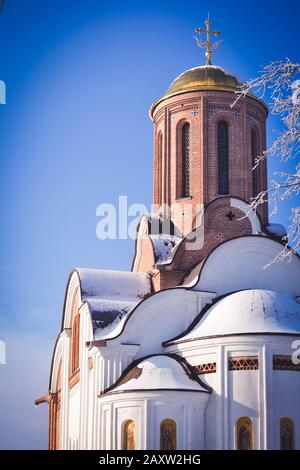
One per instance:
(281, 79)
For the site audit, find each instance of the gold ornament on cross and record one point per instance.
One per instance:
(208, 44)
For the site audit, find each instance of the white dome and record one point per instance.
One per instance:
(238, 264)
(249, 311)
(159, 372)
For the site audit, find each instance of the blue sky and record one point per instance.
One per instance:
(81, 76)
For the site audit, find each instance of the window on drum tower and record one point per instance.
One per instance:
(185, 160)
(223, 158)
(254, 155)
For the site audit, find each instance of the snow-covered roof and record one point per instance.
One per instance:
(248, 311)
(159, 372)
(107, 314)
(164, 246)
(223, 270)
(109, 284)
(111, 295)
(164, 236)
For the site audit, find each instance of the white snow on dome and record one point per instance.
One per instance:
(158, 372)
(238, 264)
(249, 311)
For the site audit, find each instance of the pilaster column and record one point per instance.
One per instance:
(64, 424)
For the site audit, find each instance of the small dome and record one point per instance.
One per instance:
(205, 77)
(160, 372)
(249, 311)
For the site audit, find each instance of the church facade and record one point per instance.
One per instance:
(192, 348)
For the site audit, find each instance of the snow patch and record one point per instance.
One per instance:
(105, 313)
(111, 296)
(113, 284)
(164, 246)
(161, 372)
(249, 311)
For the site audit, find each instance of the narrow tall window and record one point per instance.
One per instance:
(223, 158)
(244, 434)
(286, 434)
(185, 160)
(129, 435)
(254, 155)
(168, 436)
(159, 166)
(75, 344)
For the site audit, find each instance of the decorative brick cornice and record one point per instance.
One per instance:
(243, 363)
(208, 368)
(284, 362)
(223, 107)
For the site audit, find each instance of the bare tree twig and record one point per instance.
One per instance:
(281, 79)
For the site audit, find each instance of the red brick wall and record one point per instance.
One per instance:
(211, 107)
(217, 229)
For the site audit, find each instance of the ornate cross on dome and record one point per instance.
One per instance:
(208, 44)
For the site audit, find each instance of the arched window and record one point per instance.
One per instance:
(129, 435)
(75, 344)
(244, 434)
(159, 166)
(286, 434)
(168, 436)
(185, 153)
(254, 155)
(223, 158)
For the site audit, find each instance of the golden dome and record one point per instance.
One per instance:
(206, 77)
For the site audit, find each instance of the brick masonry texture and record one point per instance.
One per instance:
(203, 110)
